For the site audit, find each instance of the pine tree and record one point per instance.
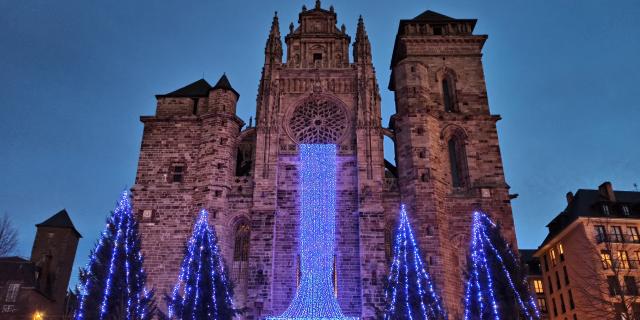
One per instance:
(410, 291)
(202, 291)
(496, 281)
(112, 285)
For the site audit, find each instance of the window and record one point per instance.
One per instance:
(605, 256)
(562, 306)
(546, 263)
(566, 275)
(625, 210)
(630, 285)
(448, 94)
(388, 242)
(458, 161)
(537, 286)
(601, 234)
(552, 254)
(555, 308)
(437, 30)
(177, 173)
(550, 284)
(561, 251)
(614, 285)
(12, 292)
(623, 259)
(542, 304)
(634, 236)
(317, 57)
(616, 234)
(605, 209)
(241, 243)
(558, 281)
(572, 304)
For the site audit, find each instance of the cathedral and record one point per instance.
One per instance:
(320, 87)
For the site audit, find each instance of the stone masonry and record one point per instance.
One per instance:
(196, 153)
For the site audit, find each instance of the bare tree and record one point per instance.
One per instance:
(8, 236)
(610, 270)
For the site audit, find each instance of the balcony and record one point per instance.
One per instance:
(618, 238)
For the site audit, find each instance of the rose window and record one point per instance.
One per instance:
(318, 120)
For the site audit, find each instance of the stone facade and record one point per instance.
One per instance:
(197, 153)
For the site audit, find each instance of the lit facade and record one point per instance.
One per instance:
(590, 258)
(196, 153)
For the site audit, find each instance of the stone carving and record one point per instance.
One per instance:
(318, 119)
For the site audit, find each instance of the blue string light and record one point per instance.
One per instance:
(194, 290)
(314, 299)
(406, 274)
(124, 267)
(481, 282)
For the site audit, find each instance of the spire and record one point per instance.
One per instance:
(317, 4)
(362, 46)
(224, 84)
(273, 49)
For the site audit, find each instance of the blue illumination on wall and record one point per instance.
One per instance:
(314, 298)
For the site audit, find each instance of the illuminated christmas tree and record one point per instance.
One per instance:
(496, 286)
(202, 291)
(112, 285)
(410, 290)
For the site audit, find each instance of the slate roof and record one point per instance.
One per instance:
(199, 88)
(432, 16)
(60, 220)
(224, 83)
(17, 269)
(588, 203)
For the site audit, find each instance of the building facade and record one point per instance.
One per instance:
(196, 153)
(40, 285)
(590, 257)
(535, 280)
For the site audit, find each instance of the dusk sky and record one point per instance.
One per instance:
(76, 75)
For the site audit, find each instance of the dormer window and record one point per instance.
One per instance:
(625, 210)
(317, 57)
(605, 209)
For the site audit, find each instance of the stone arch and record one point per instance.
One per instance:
(241, 235)
(448, 85)
(455, 143)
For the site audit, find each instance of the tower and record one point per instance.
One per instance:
(53, 252)
(317, 95)
(447, 148)
(187, 161)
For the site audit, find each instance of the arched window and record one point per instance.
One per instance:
(241, 243)
(449, 94)
(240, 266)
(388, 242)
(458, 161)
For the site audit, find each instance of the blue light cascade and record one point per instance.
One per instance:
(314, 299)
(494, 275)
(202, 291)
(114, 276)
(411, 292)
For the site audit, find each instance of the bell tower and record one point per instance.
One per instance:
(317, 96)
(449, 161)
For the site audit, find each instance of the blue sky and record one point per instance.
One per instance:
(76, 75)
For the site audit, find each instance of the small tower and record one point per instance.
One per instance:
(54, 250)
(223, 98)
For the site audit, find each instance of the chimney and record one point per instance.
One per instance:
(606, 190)
(569, 197)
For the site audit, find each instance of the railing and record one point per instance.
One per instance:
(618, 238)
